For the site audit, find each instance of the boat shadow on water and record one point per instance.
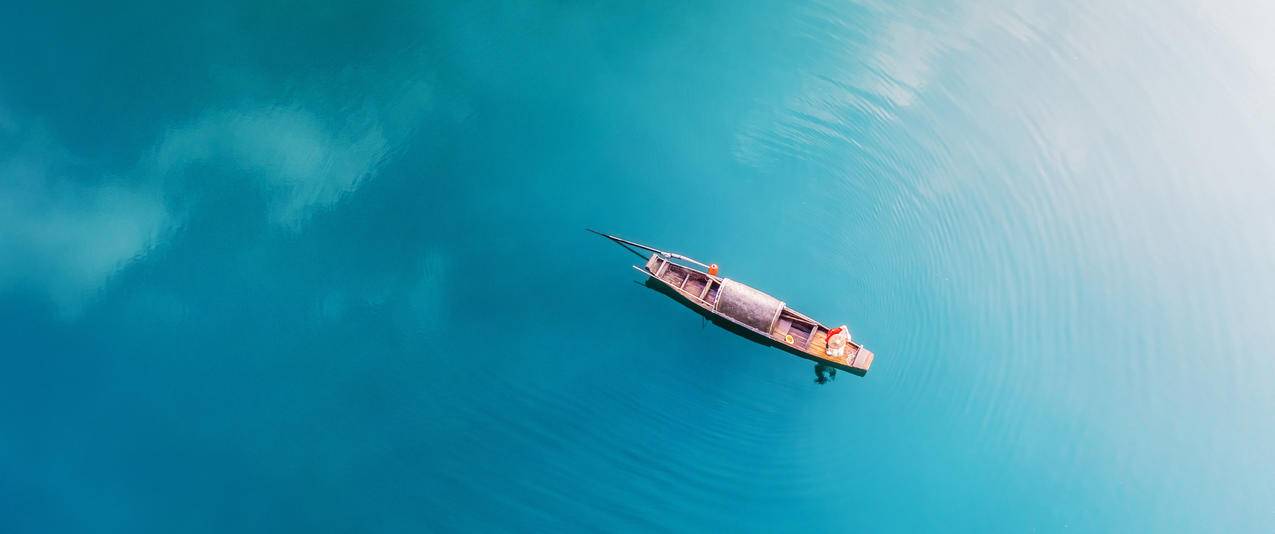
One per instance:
(823, 372)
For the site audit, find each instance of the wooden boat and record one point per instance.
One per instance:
(743, 309)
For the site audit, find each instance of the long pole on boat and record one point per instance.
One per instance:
(652, 249)
(627, 242)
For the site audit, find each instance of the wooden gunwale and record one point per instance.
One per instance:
(813, 346)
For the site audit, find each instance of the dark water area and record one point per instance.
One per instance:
(322, 267)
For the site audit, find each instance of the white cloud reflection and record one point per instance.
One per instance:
(302, 163)
(64, 231)
(61, 235)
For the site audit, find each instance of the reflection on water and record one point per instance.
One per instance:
(824, 373)
(269, 248)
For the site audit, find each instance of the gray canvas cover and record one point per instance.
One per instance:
(747, 305)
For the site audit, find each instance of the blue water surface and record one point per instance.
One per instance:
(322, 267)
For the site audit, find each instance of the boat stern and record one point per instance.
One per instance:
(862, 361)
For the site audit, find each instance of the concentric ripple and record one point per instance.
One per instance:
(325, 269)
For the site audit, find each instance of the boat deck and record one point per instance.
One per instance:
(818, 344)
(808, 336)
(694, 284)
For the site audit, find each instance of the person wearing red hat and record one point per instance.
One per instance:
(838, 339)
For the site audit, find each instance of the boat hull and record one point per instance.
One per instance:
(745, 310)
(660, 286)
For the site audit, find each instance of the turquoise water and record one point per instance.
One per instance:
(292, 267)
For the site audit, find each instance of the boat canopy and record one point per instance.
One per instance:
(749, 306)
